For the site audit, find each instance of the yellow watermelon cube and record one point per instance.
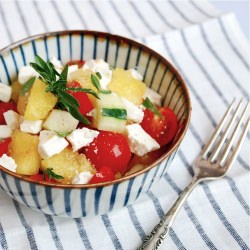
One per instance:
(23, 149)
(124, 84)
(67, 164)
(40, 102)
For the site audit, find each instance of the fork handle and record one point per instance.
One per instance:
(154, 240)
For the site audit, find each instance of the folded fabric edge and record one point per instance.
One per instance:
(233, 24)
(230, 22)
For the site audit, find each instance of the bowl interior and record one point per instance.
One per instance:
(157, 72)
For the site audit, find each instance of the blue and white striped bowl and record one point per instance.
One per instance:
(89, 200)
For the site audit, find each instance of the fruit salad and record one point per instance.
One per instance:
(81, 123)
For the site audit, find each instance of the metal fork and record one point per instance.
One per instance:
(213, 162)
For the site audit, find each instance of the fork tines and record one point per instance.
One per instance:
(220, 149)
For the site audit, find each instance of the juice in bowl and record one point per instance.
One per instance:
(88, 121)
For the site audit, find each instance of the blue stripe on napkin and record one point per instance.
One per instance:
(3, 241)
(83, 234)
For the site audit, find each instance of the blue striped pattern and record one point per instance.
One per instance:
(136, 222)
(83, 234)
(28, 228)
(54, 233)
(3, 241)
(111, 232)
(34, 195)
(126, 228)
(227, 224)
(7, 76)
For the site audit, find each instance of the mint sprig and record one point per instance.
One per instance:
(57, 84)
(95, 81)
(105, 91)
(52, 174)
(89, 91)
(27, 86)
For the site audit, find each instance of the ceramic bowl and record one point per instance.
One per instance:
(158, 73)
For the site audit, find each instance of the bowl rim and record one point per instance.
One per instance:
(121, 39)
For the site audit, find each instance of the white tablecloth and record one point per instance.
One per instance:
(213, 56)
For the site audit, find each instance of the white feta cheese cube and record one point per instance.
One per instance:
(99, 65)
(57, 63)
(81, 137)
(90, 64)
(153, 96)
(25, 73)
(50, 144)
(134, 113)
(82, 178)
(71, 69)
(8, 163)
(140, 142)
(5, 131)
(32, 127)
(135, 74)
(11, 119)
(5, 92)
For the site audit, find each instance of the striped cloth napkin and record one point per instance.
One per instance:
(213, 56)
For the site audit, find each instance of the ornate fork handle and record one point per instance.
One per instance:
(154, 240)
(213, 162)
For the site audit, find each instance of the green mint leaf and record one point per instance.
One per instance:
(56, 72)
(115, 112)
(52, 174)
(27, 86)
(60, 106)
(95, 81)
(44, 75)
(99, 75)
(61, 84)
(89, 91)
(37, 68)
(50, 88)
(52, 72)
(105, 91)
(76, 114)
(149, 105)
(40, 62)
(68, 99)
(47, 69)
(64, 73)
